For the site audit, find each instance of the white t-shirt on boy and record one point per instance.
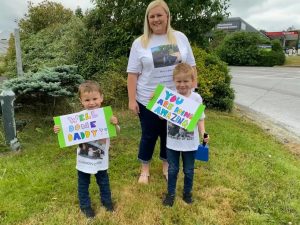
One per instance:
(178, 138)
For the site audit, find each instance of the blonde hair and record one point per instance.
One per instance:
(89, 86)
(184, 68)
(148, 32)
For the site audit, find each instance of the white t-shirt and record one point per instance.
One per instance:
(154, 64)
(93, 156)
(178, 138)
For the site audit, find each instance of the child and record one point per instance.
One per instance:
(92, 157)
(179, 141)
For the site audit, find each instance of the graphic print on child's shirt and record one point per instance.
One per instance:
(179, 133)
(93, 156)
(92, 150)
(166, 55)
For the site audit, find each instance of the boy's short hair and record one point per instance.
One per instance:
(89, 86)
(185, 69)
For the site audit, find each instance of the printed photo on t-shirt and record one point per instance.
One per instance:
(166, 55)
(179, 133)
(92, 150)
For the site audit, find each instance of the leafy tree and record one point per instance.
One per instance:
(78, 12)
(197, 18)
(52, 46)
(43, 15)
(10, 58)
(113, 25)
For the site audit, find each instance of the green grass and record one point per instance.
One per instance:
(250, 179)
(292, 61)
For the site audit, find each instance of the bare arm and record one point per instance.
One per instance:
(195, 83)
(201, 129)
(131, 87)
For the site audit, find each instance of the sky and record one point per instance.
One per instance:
(268, 15)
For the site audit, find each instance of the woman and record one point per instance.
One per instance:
(152, 59)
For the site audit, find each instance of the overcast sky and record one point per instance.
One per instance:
(269, 15)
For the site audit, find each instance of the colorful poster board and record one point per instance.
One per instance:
(85, 126)
(175, 108)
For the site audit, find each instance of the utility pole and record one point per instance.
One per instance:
(18, 53)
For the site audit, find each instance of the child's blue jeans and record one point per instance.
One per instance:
(152, 128)
(188, 159)
(83, 188)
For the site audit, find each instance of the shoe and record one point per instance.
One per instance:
(187, 197)
(88, 212)
(143, 179)
(169, 200)
(109, 206)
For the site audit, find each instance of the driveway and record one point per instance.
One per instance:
(272, 92)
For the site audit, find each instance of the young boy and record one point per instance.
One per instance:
(179, 141)
(92, 157)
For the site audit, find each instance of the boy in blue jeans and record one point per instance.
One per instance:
(92, 157)
(180, 141)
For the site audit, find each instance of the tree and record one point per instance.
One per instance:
(197, 18)
(10, 58)
(43, 15)
(52, 46)
(113, 25)
(78, 12)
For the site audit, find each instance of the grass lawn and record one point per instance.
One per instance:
(250, 179)
(292, 61)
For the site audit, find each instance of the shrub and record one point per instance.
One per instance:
(213, 81)
(242, 49)
(270, 58)
(45, 86)
(114, 83)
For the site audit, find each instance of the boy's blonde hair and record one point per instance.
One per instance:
(148, 32)
(89, 86)
(184, 68)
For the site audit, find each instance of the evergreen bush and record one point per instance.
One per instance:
(44, 87)
(55, 82)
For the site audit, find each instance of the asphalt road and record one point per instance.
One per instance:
(273, 92)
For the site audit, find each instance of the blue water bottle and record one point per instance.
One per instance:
(202, 152)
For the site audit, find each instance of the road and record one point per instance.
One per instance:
(273, 92)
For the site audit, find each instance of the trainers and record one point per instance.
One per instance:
(88, 212)
(187, 197)
(169, 200)
(109, 206)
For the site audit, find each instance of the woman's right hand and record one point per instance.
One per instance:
(131, 87)
(134, 107)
